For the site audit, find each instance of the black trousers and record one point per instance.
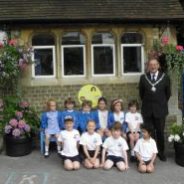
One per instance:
(158, 126)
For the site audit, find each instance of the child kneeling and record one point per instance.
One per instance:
(70, 139)
(116, 148)
(91, 142)
(146, 151)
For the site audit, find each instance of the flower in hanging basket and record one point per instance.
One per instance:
(16, 132)
(21, 124)
(18, 114)
(13, 122)
(24, 105)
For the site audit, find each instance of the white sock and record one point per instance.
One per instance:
(58, 148)
(132, 153)
(46, 148)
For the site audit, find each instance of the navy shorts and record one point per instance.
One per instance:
(91, 154)
(73, 159)
(115, 159)
(145, 162)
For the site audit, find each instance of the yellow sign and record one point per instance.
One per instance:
(89, 92)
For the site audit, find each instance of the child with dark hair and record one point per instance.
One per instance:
(146, 151)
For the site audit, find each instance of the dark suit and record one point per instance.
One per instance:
(155, 105)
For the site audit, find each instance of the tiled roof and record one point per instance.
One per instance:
(91, 10)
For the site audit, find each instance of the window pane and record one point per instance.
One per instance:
(132, 59)
(73, 61)
(132, 38)
(103, 38)
(43, 62)
(42, 39)
(103, 60)
(73, 38)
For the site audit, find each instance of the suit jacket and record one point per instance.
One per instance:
(154, 103)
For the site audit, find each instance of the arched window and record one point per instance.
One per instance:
(44, 55)
(73, 54)
(103, 55)
(132, 50)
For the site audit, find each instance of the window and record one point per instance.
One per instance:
(73, 54)
(132, 53)
(44, 56)
(103, 57)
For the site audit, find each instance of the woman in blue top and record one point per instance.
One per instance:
(51, 123)
(69, 106)
(85, 115)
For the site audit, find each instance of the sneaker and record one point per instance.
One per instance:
(46, 154)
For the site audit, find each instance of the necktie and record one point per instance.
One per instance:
(153, 78)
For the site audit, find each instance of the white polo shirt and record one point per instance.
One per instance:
(133, 119)
(91, 140)
(115, 147)
(103, 118)
(69, 140)
(119, 117)
(146, 148)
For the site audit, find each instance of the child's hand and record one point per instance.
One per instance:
(93, 160)
(150, 164)
(126, 166)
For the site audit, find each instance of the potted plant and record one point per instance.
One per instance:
(177, 136)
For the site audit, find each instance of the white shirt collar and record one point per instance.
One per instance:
(156, 74)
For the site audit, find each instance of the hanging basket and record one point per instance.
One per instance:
(16, 147)
(179, 153)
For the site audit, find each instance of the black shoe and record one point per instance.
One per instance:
(162, 157)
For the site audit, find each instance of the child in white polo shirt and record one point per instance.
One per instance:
(146, 151)
(70, 139)
(134, 120)
(116, 148)
(91, 142)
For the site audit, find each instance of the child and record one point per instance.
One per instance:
(146, 151)
(117, 114)
(85, 115)
(51, 123)
(70, 139)
(116, 148)
(101, 117)
(69, 106)
(133, 119)
(91, 142)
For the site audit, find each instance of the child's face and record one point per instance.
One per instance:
(69, 106)
(133, 108)
(52, 106)
(116, 133)
(117, 107)
(86, 108)
(102, 105)
(91, 127)
(69, 125)
(145, 134)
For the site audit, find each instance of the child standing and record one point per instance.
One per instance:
(146, 151)
(116, 148)
(101, 117)
(69, 111)
(85, 115)
(117, 114)
(134, 120)
(70, 139)
(51, 123)
(91, 142)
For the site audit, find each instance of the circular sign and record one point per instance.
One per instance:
(89, 92)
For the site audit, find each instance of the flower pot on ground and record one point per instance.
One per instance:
(179, 153)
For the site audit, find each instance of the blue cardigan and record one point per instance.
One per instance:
(44, 120)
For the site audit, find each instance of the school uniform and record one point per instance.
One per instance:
(91, 141)
(133, 120)
(146, 149)
(74, 114)
(115, 148)
(83, 119)
(117, 117)
(51, 122)
(70, 139)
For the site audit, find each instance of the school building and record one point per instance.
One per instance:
(79, 42)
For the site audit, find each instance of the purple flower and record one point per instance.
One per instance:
(24, 104)
(7, 129)
(18, 114)
(16, 132)
(13, 122)
(21, 124)
(27, 128)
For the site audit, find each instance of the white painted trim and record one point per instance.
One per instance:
(92, 59)
(62, 60)
(54, 62)
(142, 59)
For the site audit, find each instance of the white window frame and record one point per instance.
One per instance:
(54, 62)
(62, 60)
(92, 59)
(142, 58)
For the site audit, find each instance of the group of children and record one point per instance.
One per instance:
(99, 138)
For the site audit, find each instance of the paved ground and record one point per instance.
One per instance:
(34, 169)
